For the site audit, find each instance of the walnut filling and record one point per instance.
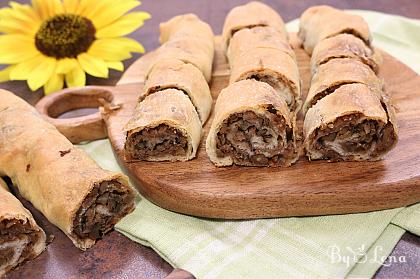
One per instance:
(351, 32)
(105, 205)
(16, 243)
(252, 139)
(348, 138)
(326, 92)
(279, 85)
(161, 140)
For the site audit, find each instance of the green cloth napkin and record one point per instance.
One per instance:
(353, 245)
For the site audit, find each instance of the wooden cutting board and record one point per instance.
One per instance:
(199, 188)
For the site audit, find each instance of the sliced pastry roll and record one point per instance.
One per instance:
(251, 15)
(165, 127)
(251, 127)
(320, 22)
(21, 239)
(189, 50)
(258, 37)
(60, 180)
(272, 66)
(174, 73)
(351, 124)
(345, 46)
(337, 72)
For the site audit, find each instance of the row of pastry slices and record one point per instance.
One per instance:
(255, 116)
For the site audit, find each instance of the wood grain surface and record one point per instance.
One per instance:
(306, 188)
(144, 262)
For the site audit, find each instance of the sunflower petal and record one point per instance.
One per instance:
(70, 6)
(103, 17)
(93, 65)
(10, 54)
(102, 49)
(116, 65)
(66, 65)
(55, 83)
(123, 26)
(23, 69)
(25, 12)
(42, 73)
(127, 44)
(76, 77)
(5, 73)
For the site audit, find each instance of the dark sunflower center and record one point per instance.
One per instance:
(65, 35)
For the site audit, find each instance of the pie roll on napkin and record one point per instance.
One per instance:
(345, 46)
(165, 127)
(21, 239)
(59, 179)
(354, 123)
(189, 39)
(337, 72)
(250, 15)
(252, 126)
(321, 22)
(173, 73)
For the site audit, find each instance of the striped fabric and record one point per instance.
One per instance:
(353, 245)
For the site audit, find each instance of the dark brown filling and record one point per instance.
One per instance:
(102, 209)
(250, 138)
(354, 33)
(157, 141)
(354, 138)
(279, 85)
(14, 230)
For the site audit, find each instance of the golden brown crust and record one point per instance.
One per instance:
(173, 73)
(351, 102)
(258, 37)
(48, 170)
(337, 72)
(250, 15)
(31, 243)
(174, 109)
(321, 22)
(242, 96)
(345, 46)
(281, 70)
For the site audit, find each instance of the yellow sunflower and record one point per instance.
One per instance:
(54, 41)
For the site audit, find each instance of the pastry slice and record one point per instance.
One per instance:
(174, 73)
(164, 127)
(21, 239)
(321, 22)
(338, 72)
(59, 179)
(274, 67)
(253, 14)
(251, 127)
(257, 37)
(345, 46)
(351, 124)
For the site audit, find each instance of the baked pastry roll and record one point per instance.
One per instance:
(21, 239)
(189, 39)
(351, 124)
(252, 126)
(257, 37)
(189, 50)
(251, 15)
(345, 46)
(174, 73)
(320, 22)
(187, 25)
(337, 72)
(164, 127)
(273, 67)
(60, 180)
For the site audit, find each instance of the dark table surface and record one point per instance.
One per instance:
(116, 256)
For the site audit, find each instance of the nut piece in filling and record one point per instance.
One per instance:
(274, 67)
(350, 124)
(165, 127)
(252, 126)
(345, 46)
